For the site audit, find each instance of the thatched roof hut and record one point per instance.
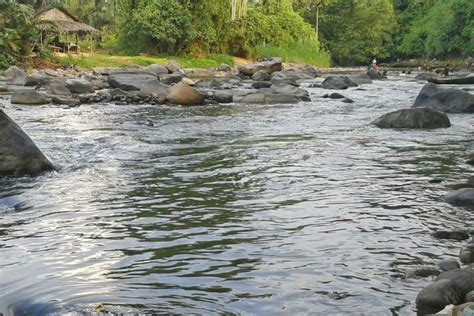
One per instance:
(60, 19)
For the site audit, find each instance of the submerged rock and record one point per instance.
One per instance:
(452, 234)
(28, 96)
(269, 98)
(18, 154)
(467, 254)
(422, 272)
(462, 197)
(437, 295)
(413, 118)
(446, 100)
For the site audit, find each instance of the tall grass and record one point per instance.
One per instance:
(102, 60)
(294, 53)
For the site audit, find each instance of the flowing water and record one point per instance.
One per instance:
(239, 210)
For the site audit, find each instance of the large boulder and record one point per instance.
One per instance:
(463, 278)
(79, 86)
(375, 75)
(461, 197)
(57, 89)
(459, 80)
(437, 295)
(446, 100)
(360, 79)
(183, 94)
(338, 83)
(18, 154)
(154, 88)
(467, 254)
(173, 66)
(15, 75)
(28, 96)
(413, 118)
(270, 66)
(261, 75)
(157, 69)
(37, 79)
(129, 79)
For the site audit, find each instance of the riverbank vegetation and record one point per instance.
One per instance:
(317, 32)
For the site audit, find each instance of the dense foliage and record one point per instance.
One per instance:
(351, 31)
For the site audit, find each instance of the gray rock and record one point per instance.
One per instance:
(413, 118)
(334, 96)
(283, 88)
(265, 98)
(15, 75)
(446, 100)
(209, 84)
(361, 79)
(129, 80)
(463, 278)
(173, 66)
(183, 94)
(452, 234)
(224, 68)
(37, 79)
(424, 76)
(28, 96)
(269, 65)
(338, 83)
(18, 154)
(157, 69)
(57, 89)
(469, 297)
(375, 75)
(56, 99)
(289, 76)
(79, 86)
(3, 88)
(171, 78)
(347, 100)
(261, 75)
(459, 80)
(154, 88)
(467, 254)
(223, 97)
(447, 265)
(461, 197)
(422, 272)
(261, 84)
(436, 296)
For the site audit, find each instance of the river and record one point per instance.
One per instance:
(300, 209)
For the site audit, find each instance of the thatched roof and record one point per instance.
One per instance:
(64, 21)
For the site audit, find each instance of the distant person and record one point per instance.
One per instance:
(374, 63)
(446, 69)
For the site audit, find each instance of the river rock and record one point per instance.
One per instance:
(261, 75)
(58, 89)
(130, 80)
(437, 295)
(461, 197)
(375, 75)
(452, 234)
(463, 278)
(157, 69)
(155, 88)
(64, 100)
(28, 96)
(458, 80)
(224, 68)
(269, 65)
(19, 155)
(261, 84)
(424, 76)
(222, 96)
(467, 254)
(338, 83)
(173, 66)
(289, 76)
(361, 79)
(269, 98)
(413, 118)
(79, 86)
(118, 92)
(422, 272)
(183, 94)
(446, 100)
(288, 89)
(171, 78)
(3, 88)
(447, 265)
(334, 96)
(37, 80)
(209, 84)
(15, 75)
